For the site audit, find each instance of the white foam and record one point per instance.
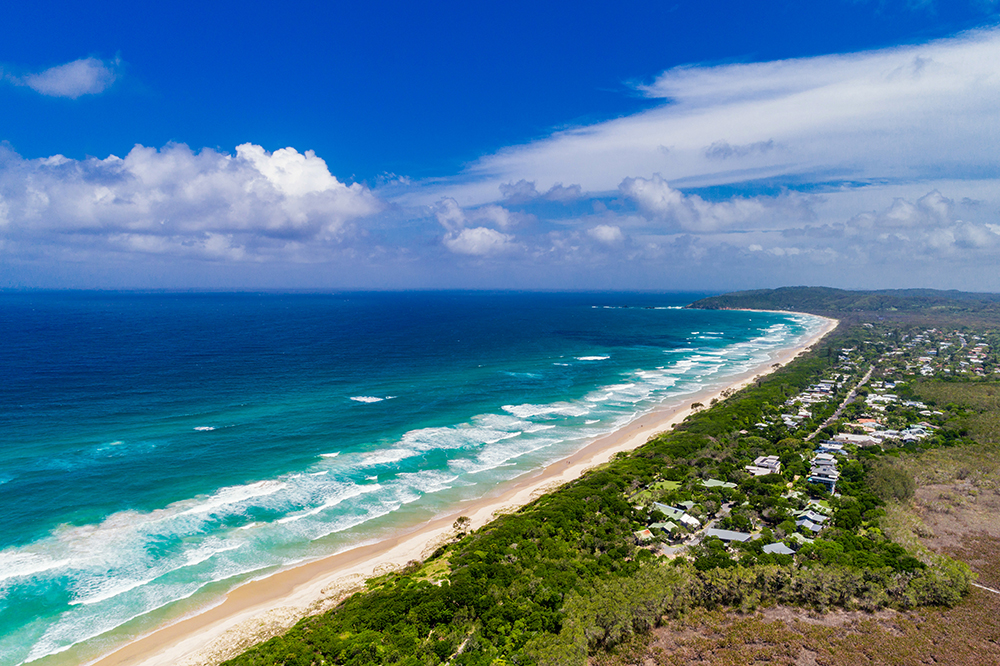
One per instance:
(14, 564)
(538, 428)
(204, 428)
(331, 502)
(110, 593)
(206, 553)
(592, 358)
(366, 398)
(386, 456)
(428, 482)
(528, 411)
(235, 495)
(329, 455)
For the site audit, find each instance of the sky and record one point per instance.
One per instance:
(657, 146)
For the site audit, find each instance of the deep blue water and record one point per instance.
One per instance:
(158, 449)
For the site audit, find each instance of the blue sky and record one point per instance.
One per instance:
(706, 145)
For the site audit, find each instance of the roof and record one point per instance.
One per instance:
(808, 524)
(727, 535)
(676, 514)
(668, 525)
(643, 535)
(715, 483)
(778, 549)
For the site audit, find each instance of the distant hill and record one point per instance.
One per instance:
(918, 304)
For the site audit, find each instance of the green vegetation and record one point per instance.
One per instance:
(564, 576)
(959, 306)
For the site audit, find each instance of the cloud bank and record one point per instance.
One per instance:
(873, 169)
(903, 113)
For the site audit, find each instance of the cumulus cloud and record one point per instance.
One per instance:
(462, 237)
(251, 205)
(929, 225)
(479, 241)
(523, 191)
(657, 200)
(86, 76)
(609, 234)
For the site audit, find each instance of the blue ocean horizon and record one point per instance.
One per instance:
(160, 449)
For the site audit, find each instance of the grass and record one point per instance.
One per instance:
(654, 491)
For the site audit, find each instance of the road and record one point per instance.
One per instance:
(850, 396)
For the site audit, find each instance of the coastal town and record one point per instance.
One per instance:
(795, 473)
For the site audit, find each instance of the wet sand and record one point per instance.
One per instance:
(264, 608)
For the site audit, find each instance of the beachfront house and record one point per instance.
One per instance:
(728, 536)
(807, 524)
(778, 549)
(860, 440)
(669, 526)
(679, 515)
(824, 471)
(764, 465)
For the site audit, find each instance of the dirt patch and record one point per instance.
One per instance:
(951, 512)
(966, 635)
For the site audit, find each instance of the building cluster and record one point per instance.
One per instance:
(934, 352)
(873, 414)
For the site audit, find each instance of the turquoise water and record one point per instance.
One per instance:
(159, 449)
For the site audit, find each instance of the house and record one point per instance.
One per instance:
(679, 515)
(770, 462)
(826, 476)
(728, 535)
(667, 526)
(834, 448)
(809, 525)
(764, 465)
(860, 440)
(778, 549)
(813, 516)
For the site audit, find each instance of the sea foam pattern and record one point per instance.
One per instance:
(461, 421)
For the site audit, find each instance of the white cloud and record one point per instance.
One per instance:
(86, 76)
(479, 241)
(462, 238)
(523, 191)
(252, 205)
(910, 112)
(658, 201)
(608, 234)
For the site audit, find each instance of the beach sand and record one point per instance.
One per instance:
(264, 608)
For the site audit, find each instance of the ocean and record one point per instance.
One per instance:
(159, 449)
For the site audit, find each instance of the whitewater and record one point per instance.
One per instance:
(162, 449)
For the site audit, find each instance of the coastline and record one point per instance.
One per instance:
(262, 608)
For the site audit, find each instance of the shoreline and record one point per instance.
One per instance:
(260, 609)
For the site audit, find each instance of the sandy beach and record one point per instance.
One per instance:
(264, 608)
